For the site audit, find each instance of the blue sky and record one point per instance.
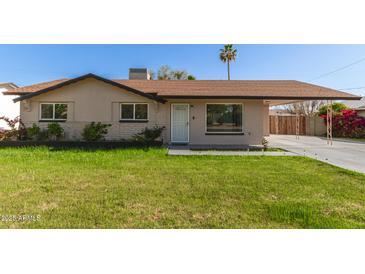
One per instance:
(28, 64)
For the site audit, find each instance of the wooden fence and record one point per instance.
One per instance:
(286, 125)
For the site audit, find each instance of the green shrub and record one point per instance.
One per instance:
(33, 131)
(36, 133)
(55, 131)
(336, 108)
(148, 135)
(95, 131)
(42, 135)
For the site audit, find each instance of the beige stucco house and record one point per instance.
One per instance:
(192, 112)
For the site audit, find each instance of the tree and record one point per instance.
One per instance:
(166, 73)
(179, 75)
(336, 108)
(307, 108)
(228, 54)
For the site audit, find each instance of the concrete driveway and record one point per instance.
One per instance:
(346, 154)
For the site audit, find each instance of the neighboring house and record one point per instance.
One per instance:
(193, 112)
(280, 112)
(359, 106)
(7, 106)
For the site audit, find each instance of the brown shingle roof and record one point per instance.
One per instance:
(262, 89)
(33, 88)
(234, 88)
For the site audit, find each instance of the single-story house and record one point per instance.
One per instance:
(280, 112)
(196, 112)
(359, 106)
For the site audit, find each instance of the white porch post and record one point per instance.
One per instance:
(297, 121)
(329, 122)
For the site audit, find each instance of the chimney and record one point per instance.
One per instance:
(139, 74)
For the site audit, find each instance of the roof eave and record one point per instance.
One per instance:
(262, 97)
(14, 93)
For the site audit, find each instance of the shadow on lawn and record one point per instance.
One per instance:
(85, 149)
(81, 145)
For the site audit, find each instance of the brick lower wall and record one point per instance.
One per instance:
(117, 131)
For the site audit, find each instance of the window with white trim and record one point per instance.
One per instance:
(53, 111)
(224, 118)
(133, 112)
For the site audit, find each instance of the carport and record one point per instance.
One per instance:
(342, 153)
(329, 97)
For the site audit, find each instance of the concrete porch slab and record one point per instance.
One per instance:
(189, 152)
(211, 147)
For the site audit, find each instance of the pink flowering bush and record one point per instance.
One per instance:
(347, 124)
(17, 129)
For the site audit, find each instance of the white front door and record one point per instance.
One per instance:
(179, 123)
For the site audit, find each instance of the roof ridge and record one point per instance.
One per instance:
(208, 80)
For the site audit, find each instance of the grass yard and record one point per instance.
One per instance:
(133, 188)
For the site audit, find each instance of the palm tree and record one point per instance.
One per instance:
(228, 54)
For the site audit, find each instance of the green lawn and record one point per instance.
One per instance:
(147, 189)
